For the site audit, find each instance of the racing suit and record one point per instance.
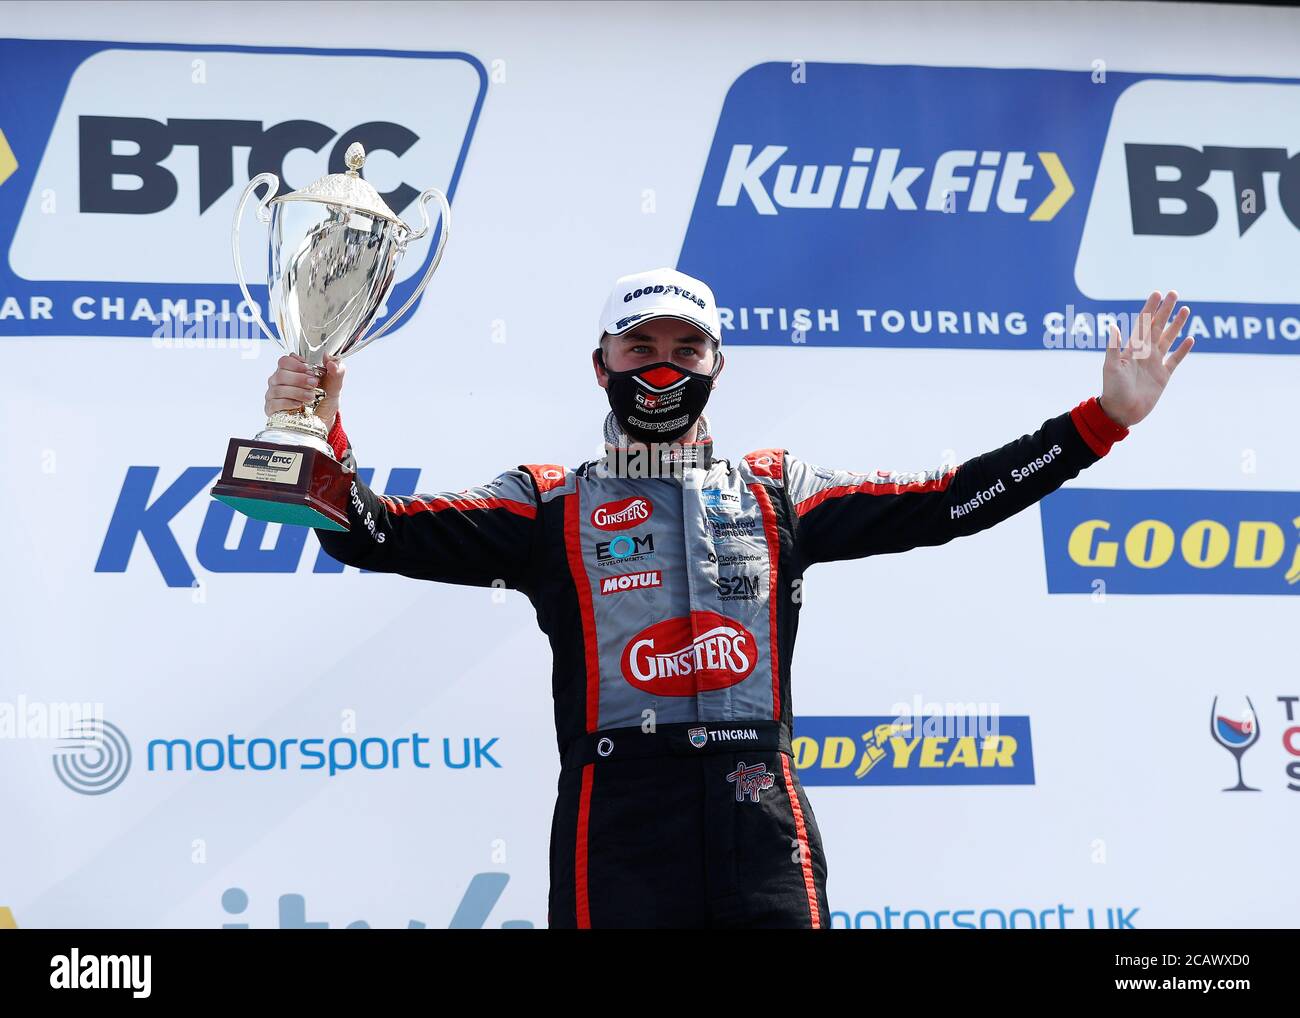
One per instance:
(671, 604)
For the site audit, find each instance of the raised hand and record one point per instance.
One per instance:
(1135, 375)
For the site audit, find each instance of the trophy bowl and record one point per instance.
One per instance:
(332, 254)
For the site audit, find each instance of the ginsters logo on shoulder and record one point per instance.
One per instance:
(685, 655)
(623, 514)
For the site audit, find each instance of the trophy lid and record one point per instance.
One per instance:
(349, 189)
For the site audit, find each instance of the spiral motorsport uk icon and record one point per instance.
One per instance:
(95, 760)
(333, 251)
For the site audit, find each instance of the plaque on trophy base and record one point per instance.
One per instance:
(278, 483)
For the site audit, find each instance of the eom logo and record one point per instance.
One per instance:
(97, 759)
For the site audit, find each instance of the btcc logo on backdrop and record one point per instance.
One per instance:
(1171, 542)
(969, 749)
(900, 206)
(121, 169)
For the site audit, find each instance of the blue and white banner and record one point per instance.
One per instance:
(968, 207)
(121, 170)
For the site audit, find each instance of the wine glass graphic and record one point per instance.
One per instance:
(1236, 734)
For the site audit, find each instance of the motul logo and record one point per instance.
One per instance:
(631, 581)
(623, 514)
(684, 656)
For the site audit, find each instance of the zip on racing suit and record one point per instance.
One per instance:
(671, 604)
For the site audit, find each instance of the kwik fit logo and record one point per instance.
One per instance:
(121, 168)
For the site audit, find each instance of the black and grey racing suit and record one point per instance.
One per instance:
(671, 604)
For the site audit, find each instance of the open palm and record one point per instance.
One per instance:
(1135, 375)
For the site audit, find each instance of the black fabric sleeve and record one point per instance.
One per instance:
(480, 536)
(844, 515)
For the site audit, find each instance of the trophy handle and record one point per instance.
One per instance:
(432, 194)
(263, 216)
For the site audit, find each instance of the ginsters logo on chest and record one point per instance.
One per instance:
(623, 514)
(688, 655)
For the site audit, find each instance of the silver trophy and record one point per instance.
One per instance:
(333, 254)
(333, 251)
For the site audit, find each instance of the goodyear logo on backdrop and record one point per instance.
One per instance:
(848, 204)
(121, 167)
(1172, 542)
(979, 749)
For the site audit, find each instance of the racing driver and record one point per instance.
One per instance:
(667, 580)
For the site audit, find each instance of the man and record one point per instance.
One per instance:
(668, 583)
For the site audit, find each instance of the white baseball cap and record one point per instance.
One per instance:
(660, 293)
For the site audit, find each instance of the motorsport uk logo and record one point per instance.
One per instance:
(1098, 540)
(970, 748)
(121, 167)
(965, 207)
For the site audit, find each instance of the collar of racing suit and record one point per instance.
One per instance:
(626, 458)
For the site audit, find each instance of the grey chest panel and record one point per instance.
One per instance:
(680, 575)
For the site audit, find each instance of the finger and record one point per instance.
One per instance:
(291, 376)
(1142, 321)
(1163, 312)
(1176, 358)
(291, 392)
(275, 406)
(1113, 345)
(292, 361)
(1176, 326)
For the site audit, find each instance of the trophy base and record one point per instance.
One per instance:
(280, 483)
(296, 428)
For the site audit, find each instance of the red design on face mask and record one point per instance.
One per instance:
(661, 378)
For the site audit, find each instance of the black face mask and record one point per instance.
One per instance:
(659, 402)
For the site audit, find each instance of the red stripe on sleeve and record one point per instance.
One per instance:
(434, 505)
(874, 488)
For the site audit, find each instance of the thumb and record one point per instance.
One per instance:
(332, 381)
